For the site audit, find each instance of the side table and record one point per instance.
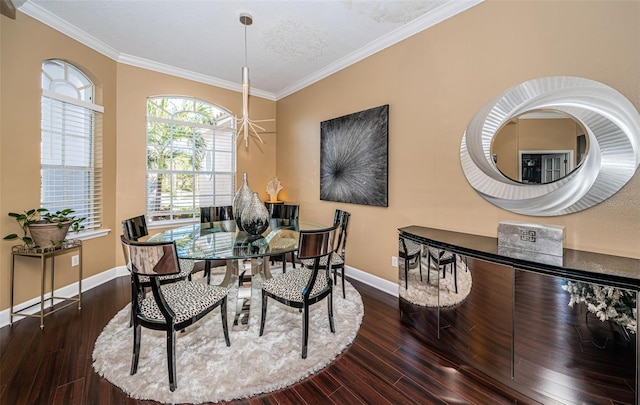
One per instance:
(44, 254)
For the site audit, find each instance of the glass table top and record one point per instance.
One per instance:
(222, 240)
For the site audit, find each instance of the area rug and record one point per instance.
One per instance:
(209, 371)
(438, 290)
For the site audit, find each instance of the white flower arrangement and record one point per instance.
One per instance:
(607, 303)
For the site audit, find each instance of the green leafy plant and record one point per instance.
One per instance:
(43, 215)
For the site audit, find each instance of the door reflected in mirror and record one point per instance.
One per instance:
(540, 146)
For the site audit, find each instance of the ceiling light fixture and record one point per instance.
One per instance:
(247, 125)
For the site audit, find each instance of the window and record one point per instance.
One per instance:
(191, 156)
(71, 156)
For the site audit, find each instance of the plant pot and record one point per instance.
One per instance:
(48, 234)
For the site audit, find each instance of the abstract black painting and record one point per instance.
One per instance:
(353, 157)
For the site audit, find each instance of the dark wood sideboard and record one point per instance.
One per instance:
(513, 325)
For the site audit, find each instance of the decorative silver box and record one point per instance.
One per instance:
(530, 239)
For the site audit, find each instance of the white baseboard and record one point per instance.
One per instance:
(376, 282)
(71, 290)
(68, 291)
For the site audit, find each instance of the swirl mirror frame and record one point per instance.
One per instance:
(612, 124)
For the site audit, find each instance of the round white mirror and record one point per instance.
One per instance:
(612, 132)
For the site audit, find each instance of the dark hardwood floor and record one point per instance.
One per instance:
(388, 363)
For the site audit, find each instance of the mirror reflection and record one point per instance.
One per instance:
(432, 277)
(591, 325)
(539, 147)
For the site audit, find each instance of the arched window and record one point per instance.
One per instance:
(71, 158)
(191, 157)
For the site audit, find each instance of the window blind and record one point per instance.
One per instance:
(190, 158)
(71, 158)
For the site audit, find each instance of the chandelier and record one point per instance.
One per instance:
(247, 126)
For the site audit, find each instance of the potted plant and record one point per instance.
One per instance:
(42, 228)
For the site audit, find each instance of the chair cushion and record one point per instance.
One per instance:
(186, 298)
(447, 256)
(186, 266)
(290, 285)
(336, 261)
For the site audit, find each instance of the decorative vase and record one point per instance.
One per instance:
(48, 234)
(255, 217)
(241, 200)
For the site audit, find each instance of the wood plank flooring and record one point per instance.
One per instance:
(388, 363)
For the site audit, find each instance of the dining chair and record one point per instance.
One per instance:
(410, 251)
(134, 229)
(216, 213)
(340, 219)
(284, 215)
(306, 286)
(216, 216)
(442, 258)
(170, 307)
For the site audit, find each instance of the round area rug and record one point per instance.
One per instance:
(426, 294)
(208, 370)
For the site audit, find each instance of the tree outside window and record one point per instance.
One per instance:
(190, 158)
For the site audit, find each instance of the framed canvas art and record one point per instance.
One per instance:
(354, 158)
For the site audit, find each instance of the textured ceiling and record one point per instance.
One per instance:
(290, 44)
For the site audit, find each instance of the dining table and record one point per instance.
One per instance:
(246, 255)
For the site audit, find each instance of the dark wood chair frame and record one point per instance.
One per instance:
(169, 326)
(408, 257)
(133, 229)
(288, 213)
(340, 219)
(312, 245)
(210, 215)
(440, 262)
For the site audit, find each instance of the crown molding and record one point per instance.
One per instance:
(439, 14)
(434, 17)
(190, 75)
(45, 17)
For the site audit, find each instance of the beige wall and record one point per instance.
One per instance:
(134, 86)
(552, 134)
(434, 82)
(25, 44)
(549, 134)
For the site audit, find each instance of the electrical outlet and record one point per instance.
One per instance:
(75, 260)
(394, 261)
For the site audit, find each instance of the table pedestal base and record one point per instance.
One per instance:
(244, 270)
